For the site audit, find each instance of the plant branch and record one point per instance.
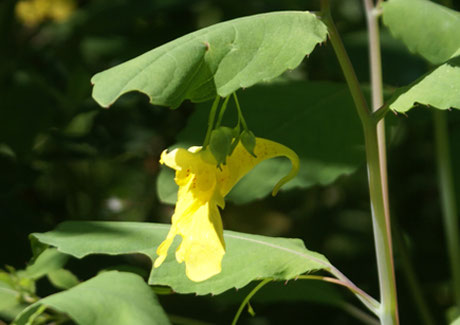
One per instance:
(363, 316)
(366, 299)
(376, 151)
(345, 63)
(376, 158)
(379, 113)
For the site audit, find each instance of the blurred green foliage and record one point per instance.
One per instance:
(62, 157)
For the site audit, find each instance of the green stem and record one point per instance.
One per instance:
(248, 297)
(381, 112)
(222, 112)
(376, 164)
(212, 116)
(37, 313)
(240, 113)
(347, 307)
(381, 218)
(449, 206)
(340, 279)
(382, 234)
(345, 63)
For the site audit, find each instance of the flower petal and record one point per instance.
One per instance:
(202, 247)
(177, 159)
(241, 162)
(196, 216)
(162, 250)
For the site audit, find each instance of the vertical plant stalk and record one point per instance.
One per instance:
(388, 313)
(449, 207)
(387, 278)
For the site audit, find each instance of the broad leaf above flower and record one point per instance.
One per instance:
(216, 60)
(202, 188)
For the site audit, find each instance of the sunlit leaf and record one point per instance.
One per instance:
(427, 28)
(218, 59)
(439, 88)
(247, 258)
(110, 298)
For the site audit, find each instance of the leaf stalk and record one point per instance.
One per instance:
(212, 117)
(376, 156)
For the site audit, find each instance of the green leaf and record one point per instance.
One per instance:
(63, 279)
(215, 60)
(248, 140)
(12, 290)
(315, 119)
(427, 28)
(48, 261)
(109, 298)
(456, 321)
(9, 297)
(439, 88)
(248, 257)
(432, 31)
(220, 143)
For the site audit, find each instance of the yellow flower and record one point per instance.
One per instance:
(202, 188)
(33, 12)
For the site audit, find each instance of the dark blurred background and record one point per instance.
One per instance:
(62, 157)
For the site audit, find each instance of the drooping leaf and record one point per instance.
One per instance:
(248, 140)
(439, 88)
(248, 257)
(220, 143)
(315, 119)
(49, 260)
(215, 60)
(109, 298)
(427, 28)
